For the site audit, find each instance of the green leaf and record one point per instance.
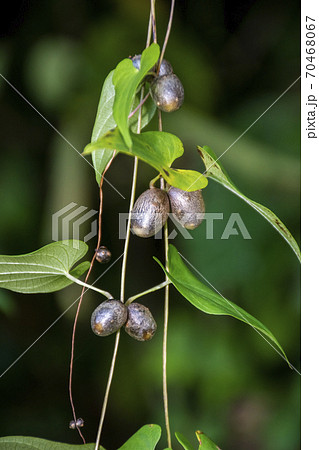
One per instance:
(145, 438)
(105, 122)
(45, 270)
(206, 299)
(32, 443)
(184, 441)
(159, 150)
(204, 442)
(215, 171)
(148, 111)
(126, 80)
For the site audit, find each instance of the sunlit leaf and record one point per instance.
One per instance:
(126, 80)
(204, 442)
(45, 270)
(145, 438)
(207, 299)
(215, 171)
(105, 122)
(156, 148)
(32, 443)
(148, 111)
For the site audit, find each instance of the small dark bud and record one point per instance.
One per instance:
(79, 422)
(103, 255)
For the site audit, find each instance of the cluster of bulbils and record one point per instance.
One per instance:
(111, 315)
(151, 210)
(165, 87)
(149, 214)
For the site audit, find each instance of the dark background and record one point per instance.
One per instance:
(234, 58)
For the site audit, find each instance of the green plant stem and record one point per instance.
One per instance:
(149, 291)
(165, 333)
(124, 264)
(107, 390)
(122, 295)
(153, 181)
(88, 286)
(166, 314)
(128, 228)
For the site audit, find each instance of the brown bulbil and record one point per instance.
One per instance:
(150, 212)
(165, 69)
(167, 92)
(103, 255)
(140, 324)
(188, 207)
(108, 317)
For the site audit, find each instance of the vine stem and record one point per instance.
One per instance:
(89, 286)
(165, 333)
(166, 314)
(124, 264)
(168, 32)
(122, 294)
(149, 291)
(83, 291)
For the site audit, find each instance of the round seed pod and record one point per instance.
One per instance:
(150, 212)
(108, 317)
(140, 324)
(103, 255)
(167, 92)
(166, 68)
(79, 422)
(187, 207)
(136, 60)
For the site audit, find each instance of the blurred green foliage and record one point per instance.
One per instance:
(234, 60)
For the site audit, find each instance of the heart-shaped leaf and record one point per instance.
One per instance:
(215, 171)
(156, 148)
(32, 443)
(145, 438)
(206, 299)
(126, 80)
(105, 122)
(45, 270)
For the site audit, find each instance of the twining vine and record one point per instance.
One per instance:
(131, 94)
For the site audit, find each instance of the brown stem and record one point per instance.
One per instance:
(123, 272)
(84, 290)
(139, 105)
(153, 20)
(168, 32)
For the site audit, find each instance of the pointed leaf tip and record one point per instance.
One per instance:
(216, 172)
